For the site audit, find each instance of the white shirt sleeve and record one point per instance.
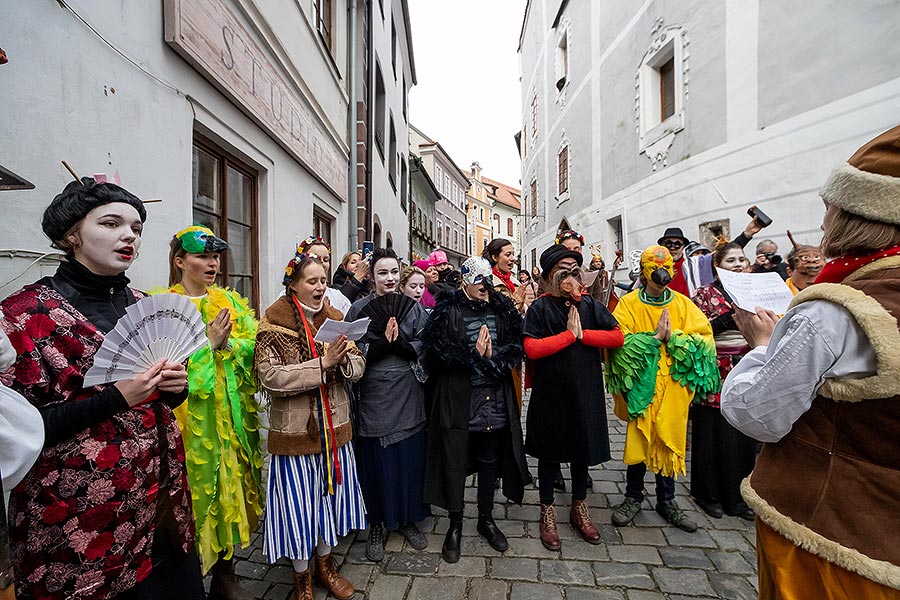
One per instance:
(771, 387)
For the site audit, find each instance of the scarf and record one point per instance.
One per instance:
(838, 269)
(506, 278)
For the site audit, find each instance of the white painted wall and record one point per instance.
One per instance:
(58, 104)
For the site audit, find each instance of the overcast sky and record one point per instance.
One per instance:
(463, 45)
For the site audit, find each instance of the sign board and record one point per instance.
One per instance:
(216, 43)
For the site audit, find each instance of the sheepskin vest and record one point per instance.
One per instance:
(832, 485)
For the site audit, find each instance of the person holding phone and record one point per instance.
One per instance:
(106, 510)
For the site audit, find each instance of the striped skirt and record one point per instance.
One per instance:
(300, 511)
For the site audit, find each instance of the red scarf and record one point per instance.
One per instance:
(506, 278)
(841, 267)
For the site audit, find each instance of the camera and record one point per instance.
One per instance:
(773, 258)
(763, 219)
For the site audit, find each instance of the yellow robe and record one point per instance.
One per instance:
(658, 436)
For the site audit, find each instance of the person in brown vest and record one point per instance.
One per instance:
(822, 388)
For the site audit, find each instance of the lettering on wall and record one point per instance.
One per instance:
(210, 37)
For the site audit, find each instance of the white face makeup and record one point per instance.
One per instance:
(415, 287)
(387, 276)
(310, 288)
(108, 238)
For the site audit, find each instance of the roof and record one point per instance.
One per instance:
(505, 194)
(431, 142)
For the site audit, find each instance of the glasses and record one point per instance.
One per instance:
(673, 244)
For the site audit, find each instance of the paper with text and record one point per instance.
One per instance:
(749, 290)
(331, 329)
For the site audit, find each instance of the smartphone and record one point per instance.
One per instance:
(763, 218)
(367, 249)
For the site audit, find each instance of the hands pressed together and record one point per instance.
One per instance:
(483, 344)
(574, 323)
(219, 329)
(664, 327)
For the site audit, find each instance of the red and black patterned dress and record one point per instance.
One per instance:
(82, 522)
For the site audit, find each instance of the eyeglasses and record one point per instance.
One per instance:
(673, 244)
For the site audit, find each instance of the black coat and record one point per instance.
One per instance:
(449, 361)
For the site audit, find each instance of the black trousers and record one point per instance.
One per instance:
(175, 574)
(486, 447)
(547, 473)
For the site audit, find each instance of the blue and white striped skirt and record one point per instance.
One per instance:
(297, 512)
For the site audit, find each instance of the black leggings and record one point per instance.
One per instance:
(485, 446)
(547, 472)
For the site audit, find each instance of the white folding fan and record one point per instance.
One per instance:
(164, 326)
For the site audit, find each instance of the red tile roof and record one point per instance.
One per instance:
(505, 194)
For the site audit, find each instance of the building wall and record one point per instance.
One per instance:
(388, 209)
(101, 114)
(422, 199)
(766, 114)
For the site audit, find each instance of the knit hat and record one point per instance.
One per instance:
(423, 264)
(555, 253)
(475, 270)
(78, 199)
(868, 184)
(656, 257)
(438, 257)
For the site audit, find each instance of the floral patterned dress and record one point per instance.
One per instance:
(82, 522)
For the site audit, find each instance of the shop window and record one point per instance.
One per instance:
(225, 200)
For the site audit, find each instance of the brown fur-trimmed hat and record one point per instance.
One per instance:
(868, 184)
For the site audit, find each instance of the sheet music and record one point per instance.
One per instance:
(331, 329)
(749, 290)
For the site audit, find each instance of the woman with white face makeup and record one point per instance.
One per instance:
(106, 510)
(390, 425)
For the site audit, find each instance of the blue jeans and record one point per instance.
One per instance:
(634, 485)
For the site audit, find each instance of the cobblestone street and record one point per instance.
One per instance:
(646, 561)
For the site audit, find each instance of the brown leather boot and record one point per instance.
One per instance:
(327, 574)
(549, 534)
(303, 589)
(580, 519)
(224, 584)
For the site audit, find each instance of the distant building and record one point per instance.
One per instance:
(451, 183)
(641, 115)
(478, 211)
(493, 211)
(424, 197)
(506, 206)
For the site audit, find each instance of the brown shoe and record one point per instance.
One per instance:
(549, 534)
(327, 574)
(580, 519)
(303, 589)
(224, 584)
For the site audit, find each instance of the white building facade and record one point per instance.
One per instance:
(233, 113)
(638, 116)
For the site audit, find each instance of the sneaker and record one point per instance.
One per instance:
(625, 512)
(375, 544)
(672, 513)
(415, 537)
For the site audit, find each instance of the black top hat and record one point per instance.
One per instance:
(673, 232)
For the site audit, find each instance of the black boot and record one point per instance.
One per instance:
(488, 529)
(450, 550)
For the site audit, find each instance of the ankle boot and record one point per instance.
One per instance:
(224, 584)
(327, 575)
(450, 550)
(303, 589)
(580, 519)
(549, 534)
(487, 528)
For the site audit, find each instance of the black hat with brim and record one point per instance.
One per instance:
(673, 232)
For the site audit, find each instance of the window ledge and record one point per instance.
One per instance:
(672, 125)
(562, 198)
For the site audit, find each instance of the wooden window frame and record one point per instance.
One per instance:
(562, 165)
(325, 29)
(227, 160)
(666, 71)
(534, 198)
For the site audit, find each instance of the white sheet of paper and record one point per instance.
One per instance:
(331, 329)
(749, 290)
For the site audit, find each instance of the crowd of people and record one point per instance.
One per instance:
(137, 489)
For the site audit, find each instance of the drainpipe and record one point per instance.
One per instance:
(353, 216)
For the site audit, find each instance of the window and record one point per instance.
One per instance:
(614, 228)
(392, 154)
(667, 89)
(456, 238)
(563, 170)
(534, 198)
(562, 59)
(534, 115)
(525, 141)
(225, 200)
(447, 230)
(509, 226)
(404, 96)
(440, 232)
(438, 178)
(447, 190)
(404, 184)
(394, 46)
(324, 10)
(379, 110)
(534, 262)
(497, 222)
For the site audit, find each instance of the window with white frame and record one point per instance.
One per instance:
(562, 171)
(447, 189)
(509, 226)
(562, 57)
(662, 91)
(438, 177)
(534, 198)
(534, 111)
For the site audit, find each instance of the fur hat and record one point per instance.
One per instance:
(868, 184)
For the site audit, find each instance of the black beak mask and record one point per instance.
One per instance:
(661, 277)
